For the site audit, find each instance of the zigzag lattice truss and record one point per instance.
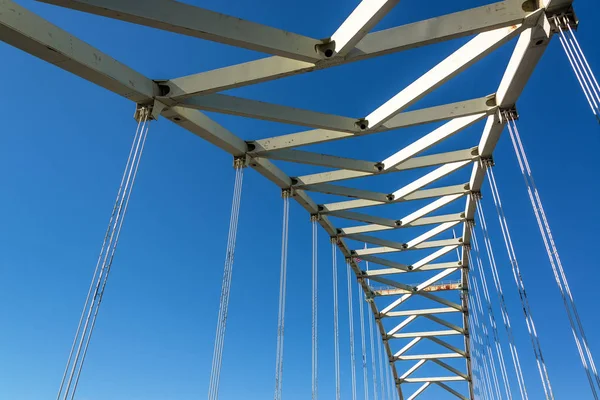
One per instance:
(180, 100)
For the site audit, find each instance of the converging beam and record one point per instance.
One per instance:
(31, 33)
(359, 23)
(185, 19)
(433, 30)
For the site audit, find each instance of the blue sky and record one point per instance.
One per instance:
(64, 145)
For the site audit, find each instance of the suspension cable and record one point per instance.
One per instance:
(282, 295)
(553, 256)
(486, 345)
(215, 375)
(481, 273)
(373, 361)
(351, 325)
(95, 293)
(381, 377)
(315, 364)
(504, 312)
(477, 357)
(363, 343)
(336, 333)
(491, 378)
(535, 342)
(580, 66)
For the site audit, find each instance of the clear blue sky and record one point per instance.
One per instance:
(64, 145)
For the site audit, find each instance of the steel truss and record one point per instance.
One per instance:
(181, 100)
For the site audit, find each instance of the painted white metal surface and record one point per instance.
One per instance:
(494, 25)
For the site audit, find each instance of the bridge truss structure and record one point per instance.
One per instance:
(361, 232)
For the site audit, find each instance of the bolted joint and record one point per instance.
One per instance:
(334, 239)
(315, 217)
(562, 20)
(326, 49)
(487, 162)
(471, 222)
(287, 193)
(240, 162)
(467, 246)
(508, 114)
(476, 195)
(149, 112)
(362, 124)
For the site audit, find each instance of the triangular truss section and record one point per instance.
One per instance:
(423, 266)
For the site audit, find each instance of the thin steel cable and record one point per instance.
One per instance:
(381, 377)
(578, 73)
(98, 262)
(351, 326)
(83, 337)
(315, 354)
(481, 273)
(486, 345)
(112, 253)
(336, 333)
(504, 311)
(553, 256)
(591, 73)
(479, 343)
(373, 360)
(363, 343)
(215, 376)
(535, 342)
(223, 306)
(282, 298)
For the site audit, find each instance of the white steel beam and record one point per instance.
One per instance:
(411, 370)
(429, 311)
(29, 32)
(239, 106)
(360, 22)
(207, 129)
(430, 356)
(402, 324)
(436, 278)
(530, 47)
(413, 163)
(387, 263)
(387, 222)
(419, 391)
(433, 256)
(447, 27)
(448, 346)
(445, 323)
(450, 368)
(410, 345)
(439, 219)
(467, 55)
(403, 120)
(438, 135)
(424, 245)
(394, 271)
(378, 241)
(416, 195)
(436, 379)
(348, 192)
(429, 208)
(185, 19)
(425, 334)
(441, 300)
(429, 178)
(450, 390)
(322, 160)
(430, 234)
